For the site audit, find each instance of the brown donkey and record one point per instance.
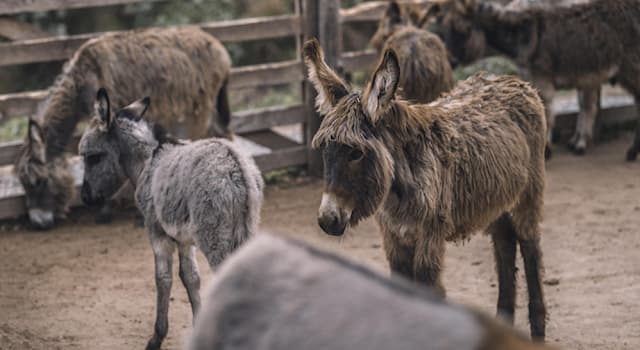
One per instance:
(580, 46)
(431, 173)
(184, 69)
(425, 69)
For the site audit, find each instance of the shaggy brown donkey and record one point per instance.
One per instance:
(425, 70)
(580, 46)
(431, 173)
(184, 70)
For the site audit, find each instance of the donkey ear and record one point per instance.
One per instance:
(382, 87)
(394, 13)
(136, 109)
(35, 134)
(102, 107)
(328, 85)
(433, 11)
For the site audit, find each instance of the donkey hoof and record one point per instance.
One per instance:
(104, 218)
(547, 152)
(632, 154)
(153, 344)
(579, 151)
(571, 146)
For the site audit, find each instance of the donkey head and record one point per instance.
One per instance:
(48, 183)
(101, 146)
(455, 21)
(358, 166)
(394, 17)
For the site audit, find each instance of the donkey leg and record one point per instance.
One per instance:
(428, 262)
(588, 103)
(504, 249)
(189, 275)
(400, 256)
(547, 90)
(632, 153)
(532, 256)
(163, 247)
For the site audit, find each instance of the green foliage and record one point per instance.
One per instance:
(495, 64)
(13, 129)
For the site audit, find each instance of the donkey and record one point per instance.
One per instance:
(580, 46)
(207, 193)
(437, 172)
(426, 72)
(297, 307)
(184, 69)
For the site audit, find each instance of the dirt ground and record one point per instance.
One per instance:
(86, 286)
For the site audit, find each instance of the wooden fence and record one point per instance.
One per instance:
(312, 18)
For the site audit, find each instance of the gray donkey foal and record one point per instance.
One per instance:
(206, 193)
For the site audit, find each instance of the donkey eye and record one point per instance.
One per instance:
(355, 154)
(94, 159)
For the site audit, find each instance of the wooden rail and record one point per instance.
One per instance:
(62, 47)
(8, 7)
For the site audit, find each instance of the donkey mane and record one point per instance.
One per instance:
(59, 112)
(404, 121)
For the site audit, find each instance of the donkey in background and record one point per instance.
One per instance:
(426, 72)
(471, 160)
(580, 46)
(207, 193)
(184, 69)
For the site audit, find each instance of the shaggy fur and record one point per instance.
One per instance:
(437, 172)
(425, 69)
(185, 70)
(580, 46)
(311, 299)
(207, 193)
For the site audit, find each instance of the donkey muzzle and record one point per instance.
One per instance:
(87, 197)
(331, 217)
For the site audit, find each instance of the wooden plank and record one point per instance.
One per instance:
(9, 152)
(13, 29)
(265, 118)
(62, 47)
(294, 156)
(266, 74)
(371, 11)
(18, 6)
(254, 28)
(358, 60)
(270, 139)
(20, 104)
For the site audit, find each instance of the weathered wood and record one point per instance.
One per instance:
(9, 152)
(18, 6)
(265, 118)
(20, 104)
(266, 74)
(62, 47)
(13, 29)
(371, 10)
(322, 21)
(254, 28)
(270, 139)
(358, 60)
(294, 156)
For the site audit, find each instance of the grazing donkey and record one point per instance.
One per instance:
(185, 70)
(580, 46)
(207, 193)
(297, 307)
(436, 172)
(425, 69)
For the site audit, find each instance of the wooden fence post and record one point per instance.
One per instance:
(322, 21)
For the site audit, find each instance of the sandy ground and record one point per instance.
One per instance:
(85, 286)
